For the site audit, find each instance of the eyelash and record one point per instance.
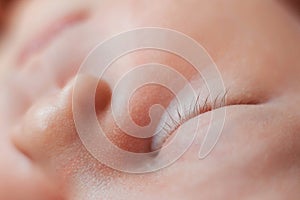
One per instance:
(195, 108)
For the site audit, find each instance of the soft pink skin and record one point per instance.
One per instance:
(254, 43)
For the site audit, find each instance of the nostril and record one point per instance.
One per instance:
(102, 97)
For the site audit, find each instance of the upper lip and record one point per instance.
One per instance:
(40, 40)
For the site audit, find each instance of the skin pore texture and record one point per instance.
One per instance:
(255, 45)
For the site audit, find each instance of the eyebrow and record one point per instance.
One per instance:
(40, 40)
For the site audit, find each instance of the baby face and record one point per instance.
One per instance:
(255, 45)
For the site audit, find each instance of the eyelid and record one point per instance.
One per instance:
(178, 113)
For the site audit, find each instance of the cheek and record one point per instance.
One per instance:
(247, 152)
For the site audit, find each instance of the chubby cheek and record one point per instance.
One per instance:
(249, 159)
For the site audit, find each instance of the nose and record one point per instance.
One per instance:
(48, 130)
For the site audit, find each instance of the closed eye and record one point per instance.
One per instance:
(177, 114)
